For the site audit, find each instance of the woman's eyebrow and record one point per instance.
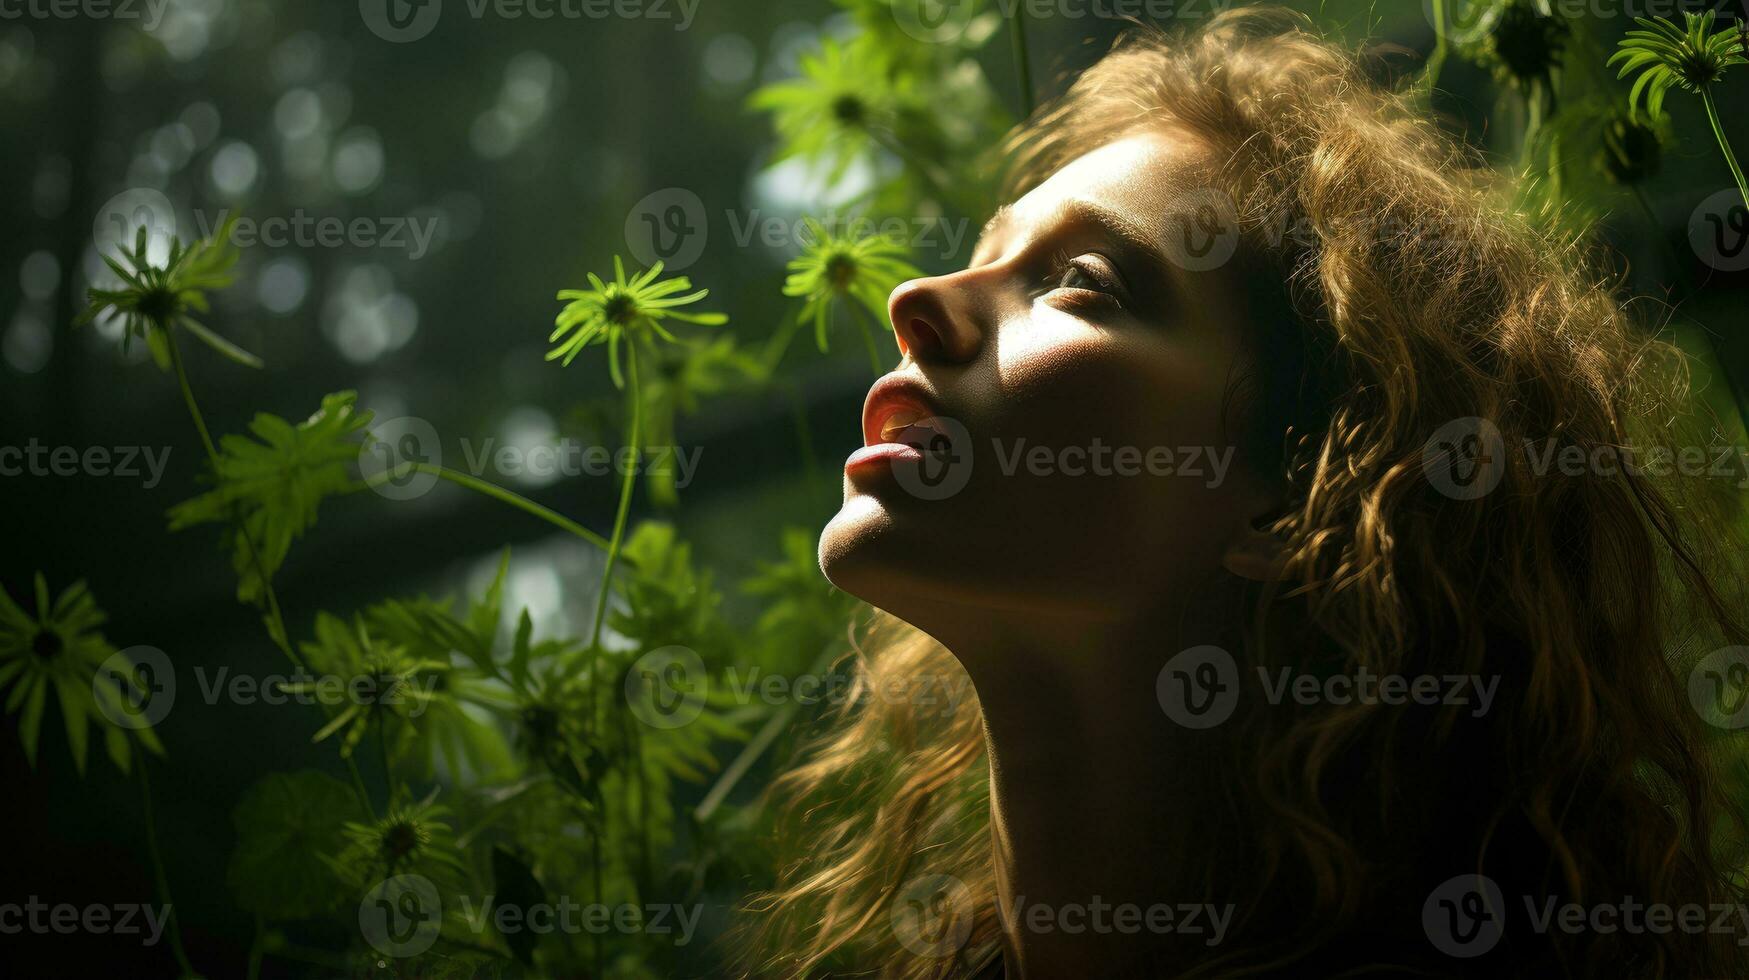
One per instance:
(994, 227)
(1133, 242)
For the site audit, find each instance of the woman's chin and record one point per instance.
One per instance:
(853, 542)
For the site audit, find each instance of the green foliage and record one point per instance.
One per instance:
(274, 484)
(684, 375)
(154, 299)
(288, 824)
(801, 610)
(60, 649)
(383, 683)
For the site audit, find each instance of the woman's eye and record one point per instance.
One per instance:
(1090, 273)
(1075, 277)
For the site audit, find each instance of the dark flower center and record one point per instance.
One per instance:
(158, 305)
(619, 308)
(840, 269)
(542, 723)
(1630, 151)
(849, 110)
(400, 840)
(47, 644)
(375, 688)
(1529, 42)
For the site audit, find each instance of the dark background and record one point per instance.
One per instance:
(531, 142)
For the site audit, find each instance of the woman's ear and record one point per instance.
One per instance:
(1255, 552)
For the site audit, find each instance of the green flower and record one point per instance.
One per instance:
(412, 838)
(1524, 44)
(1632, 151)
(155, 299)
(274, 483)
(624, 308)
(60, 648)
(382, 682)
(456, 726)
(846, 96)
(1693, 58)
(863, 269)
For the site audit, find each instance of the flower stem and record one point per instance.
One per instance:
(625, 501)
(1436, 60)
(276, 630)
(494, 491)
(1712, 114)
(635, 398)
(162, 880)
(868, 341)
(388, 773)
(1023, 65)
(256, 945)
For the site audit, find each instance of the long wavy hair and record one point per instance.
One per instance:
(1411, 295)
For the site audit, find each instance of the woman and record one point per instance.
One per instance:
(1228, 474)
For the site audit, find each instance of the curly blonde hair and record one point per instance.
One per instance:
(1410, 296)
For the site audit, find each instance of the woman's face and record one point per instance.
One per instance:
(1059, 437)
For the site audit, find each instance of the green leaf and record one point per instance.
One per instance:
(286, 822)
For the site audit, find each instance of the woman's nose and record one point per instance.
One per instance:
(934, 321)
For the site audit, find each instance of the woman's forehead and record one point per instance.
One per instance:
(1140, 176)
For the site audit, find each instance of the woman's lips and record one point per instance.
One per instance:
(880, 455)
(898, 424)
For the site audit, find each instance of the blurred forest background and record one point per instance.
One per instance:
(534, 150)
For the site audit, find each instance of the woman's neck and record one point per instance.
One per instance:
(1100, 809)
